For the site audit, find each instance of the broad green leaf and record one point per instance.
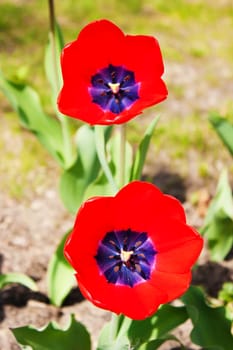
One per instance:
(224, 130)
(114, 334)
(26, 103)
(123, 332)
(54, 76)
(114, 148)
(211, 327)
(20, 278)
(100, 187)
(218, 225)
(156, 343)
(75, 180)
(52, 62)
(166, 319)
(60, 275)
(75, 337)
(226, 293)
(141, 153)
(100, 141)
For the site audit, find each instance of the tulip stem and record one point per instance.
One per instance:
(68, 154)
(100, 149)
(122, 154)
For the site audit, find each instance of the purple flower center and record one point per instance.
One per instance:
(114, 89)
(126, 257)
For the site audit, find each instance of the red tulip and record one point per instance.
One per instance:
(110, 77)
(134, 251)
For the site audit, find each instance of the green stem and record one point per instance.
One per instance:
(63, 120)
(100, 149)
(122, 154)
(52, 21)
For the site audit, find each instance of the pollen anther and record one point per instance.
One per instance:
(115, 87)
(125, 255)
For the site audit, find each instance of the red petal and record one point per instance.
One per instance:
(173, 284)
(181, 258)
(138, 302)
(134, 205)
(97, 45)
(93, 221)
(172, 234)
(142, 207)
(142, 54)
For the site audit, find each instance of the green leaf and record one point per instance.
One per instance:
(124, 332)
(218, 225)
(114, 334)
(226, 293)
(211, 327)
(141, 153)
(60, 275)
(103, 186)
(75, 180)
(101, 152)
(53, 73)
(100, 187)
(224, 130)
(26, 103)
(114, 149)
(17, 278)
(166, 319)
(75, 337)
(156, 343)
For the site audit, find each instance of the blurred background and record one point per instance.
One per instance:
(196, 41)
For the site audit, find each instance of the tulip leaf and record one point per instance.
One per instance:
(60, 275)
(103, 184)
(156, 343)
(75, 336)
(26, 103)
(141, 153)
(20, 278)
(100, 187)
(114, 147)
(166, 319)
(224, 130)
(114, 334)
(84, 171)
(125, 333)
(218, 225)
(101, 152)
(212, 330)
(52, 64)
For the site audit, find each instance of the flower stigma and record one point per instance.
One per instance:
(126, 257)
(115, 87)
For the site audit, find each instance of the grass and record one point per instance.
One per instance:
(191, 33)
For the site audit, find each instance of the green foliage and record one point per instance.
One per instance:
(60, 275)
(141, 153)
(124, 333)
(224, 130)
(212, 330)
(20, 278)
(226, 293)
(114, 154)
(218, 225)
(83, 172)
(26, 103)
(75, 337)
(53, 73)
